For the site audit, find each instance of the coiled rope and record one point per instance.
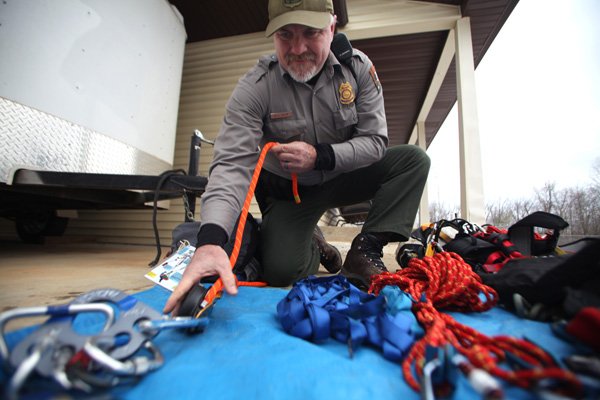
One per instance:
(446, 281)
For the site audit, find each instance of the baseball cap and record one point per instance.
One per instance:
(313, 13)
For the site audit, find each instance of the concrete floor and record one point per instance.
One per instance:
(59, 270)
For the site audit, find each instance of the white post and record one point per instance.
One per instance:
(471, 181)
(424, 204)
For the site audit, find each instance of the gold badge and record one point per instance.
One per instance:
(346, 93)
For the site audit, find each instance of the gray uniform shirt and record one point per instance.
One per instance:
(268, 105)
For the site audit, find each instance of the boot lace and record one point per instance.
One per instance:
(374, 252)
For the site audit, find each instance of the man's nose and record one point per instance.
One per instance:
(298, 45)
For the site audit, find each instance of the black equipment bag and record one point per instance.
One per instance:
(566, 283)
(247, 264)
(475, 251)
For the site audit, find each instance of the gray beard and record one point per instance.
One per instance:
(305, 77)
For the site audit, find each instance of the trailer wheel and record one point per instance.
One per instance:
(35, 226)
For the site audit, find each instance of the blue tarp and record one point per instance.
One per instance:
(244, 353)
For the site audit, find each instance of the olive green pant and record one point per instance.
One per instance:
(394, 184)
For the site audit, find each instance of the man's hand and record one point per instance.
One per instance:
(296, 157)
(208, 260)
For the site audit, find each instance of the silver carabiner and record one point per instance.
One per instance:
(427, 392)
(28, 365)
(155, 326)
(131, 312)
(136, 366)
(18, 356)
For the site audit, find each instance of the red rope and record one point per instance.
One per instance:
(446, 281)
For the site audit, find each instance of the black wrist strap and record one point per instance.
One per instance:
(211, 234)
(325, 157)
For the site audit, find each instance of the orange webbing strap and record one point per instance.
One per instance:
(217, 289)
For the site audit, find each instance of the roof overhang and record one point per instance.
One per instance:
(410, 43)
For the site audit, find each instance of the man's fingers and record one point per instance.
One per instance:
(175, 311)
(180, 291)
(277, 150)
(169, 305)
(174, 301)
(229, 283)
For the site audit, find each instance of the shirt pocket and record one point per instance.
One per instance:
(285, 130)
(345, 119)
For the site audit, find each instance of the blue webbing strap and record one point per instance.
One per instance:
(318, 308)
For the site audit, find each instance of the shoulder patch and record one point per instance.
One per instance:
(265, 62)
(263, 65)
(375, 78)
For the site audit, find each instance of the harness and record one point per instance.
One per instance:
(488, 248)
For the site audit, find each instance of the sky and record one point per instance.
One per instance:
(538, 99)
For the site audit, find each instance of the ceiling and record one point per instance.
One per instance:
(405, 64)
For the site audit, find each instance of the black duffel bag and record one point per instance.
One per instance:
(247, 264)
(560, 284)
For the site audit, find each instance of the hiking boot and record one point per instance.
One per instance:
(330, 256)
(364, 260)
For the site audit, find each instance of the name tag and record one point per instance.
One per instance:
(281, 115)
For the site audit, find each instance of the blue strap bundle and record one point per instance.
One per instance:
(317, 308)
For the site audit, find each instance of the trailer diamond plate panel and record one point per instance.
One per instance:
(36, 140)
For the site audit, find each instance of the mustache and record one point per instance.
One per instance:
(301, 57)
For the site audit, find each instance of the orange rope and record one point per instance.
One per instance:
(446, 281)
(216, 289)
(295, 188)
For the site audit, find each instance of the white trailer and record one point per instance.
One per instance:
(89, 94)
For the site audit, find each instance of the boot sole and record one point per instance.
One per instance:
(357, 280)
(337, 268)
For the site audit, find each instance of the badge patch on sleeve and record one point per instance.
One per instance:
(375, 78)
(346, 93)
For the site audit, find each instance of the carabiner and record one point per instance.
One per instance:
(439, 373)
(21, 351)
(427, 390)
(136, 366)
(189, 323)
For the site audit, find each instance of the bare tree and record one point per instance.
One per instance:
(596, 173)
(438, 211)
(522, 208)
(546, 196)
(499, 214)
(507, 212)
(578, 210)
(579, 206)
